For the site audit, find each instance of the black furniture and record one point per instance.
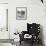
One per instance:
(33, 30)
(42, 1)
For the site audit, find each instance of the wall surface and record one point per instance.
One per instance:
(35, 14)
(3, 21)
(4, 34)
(3, 1)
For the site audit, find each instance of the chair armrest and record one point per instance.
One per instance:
(22, 35)
(24, 32)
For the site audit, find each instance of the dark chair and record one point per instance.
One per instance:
(32, 29)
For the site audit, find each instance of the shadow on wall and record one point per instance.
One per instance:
(41, 34)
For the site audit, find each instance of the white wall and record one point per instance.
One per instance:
(3, 1)
(35, 13)
(4, 34)
(3, 21)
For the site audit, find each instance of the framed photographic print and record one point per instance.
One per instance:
(21, 13)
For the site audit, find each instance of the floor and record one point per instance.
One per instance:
(26, 44)
(5, 44)
(23, 44)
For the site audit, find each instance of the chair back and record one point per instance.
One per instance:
(33, 28)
